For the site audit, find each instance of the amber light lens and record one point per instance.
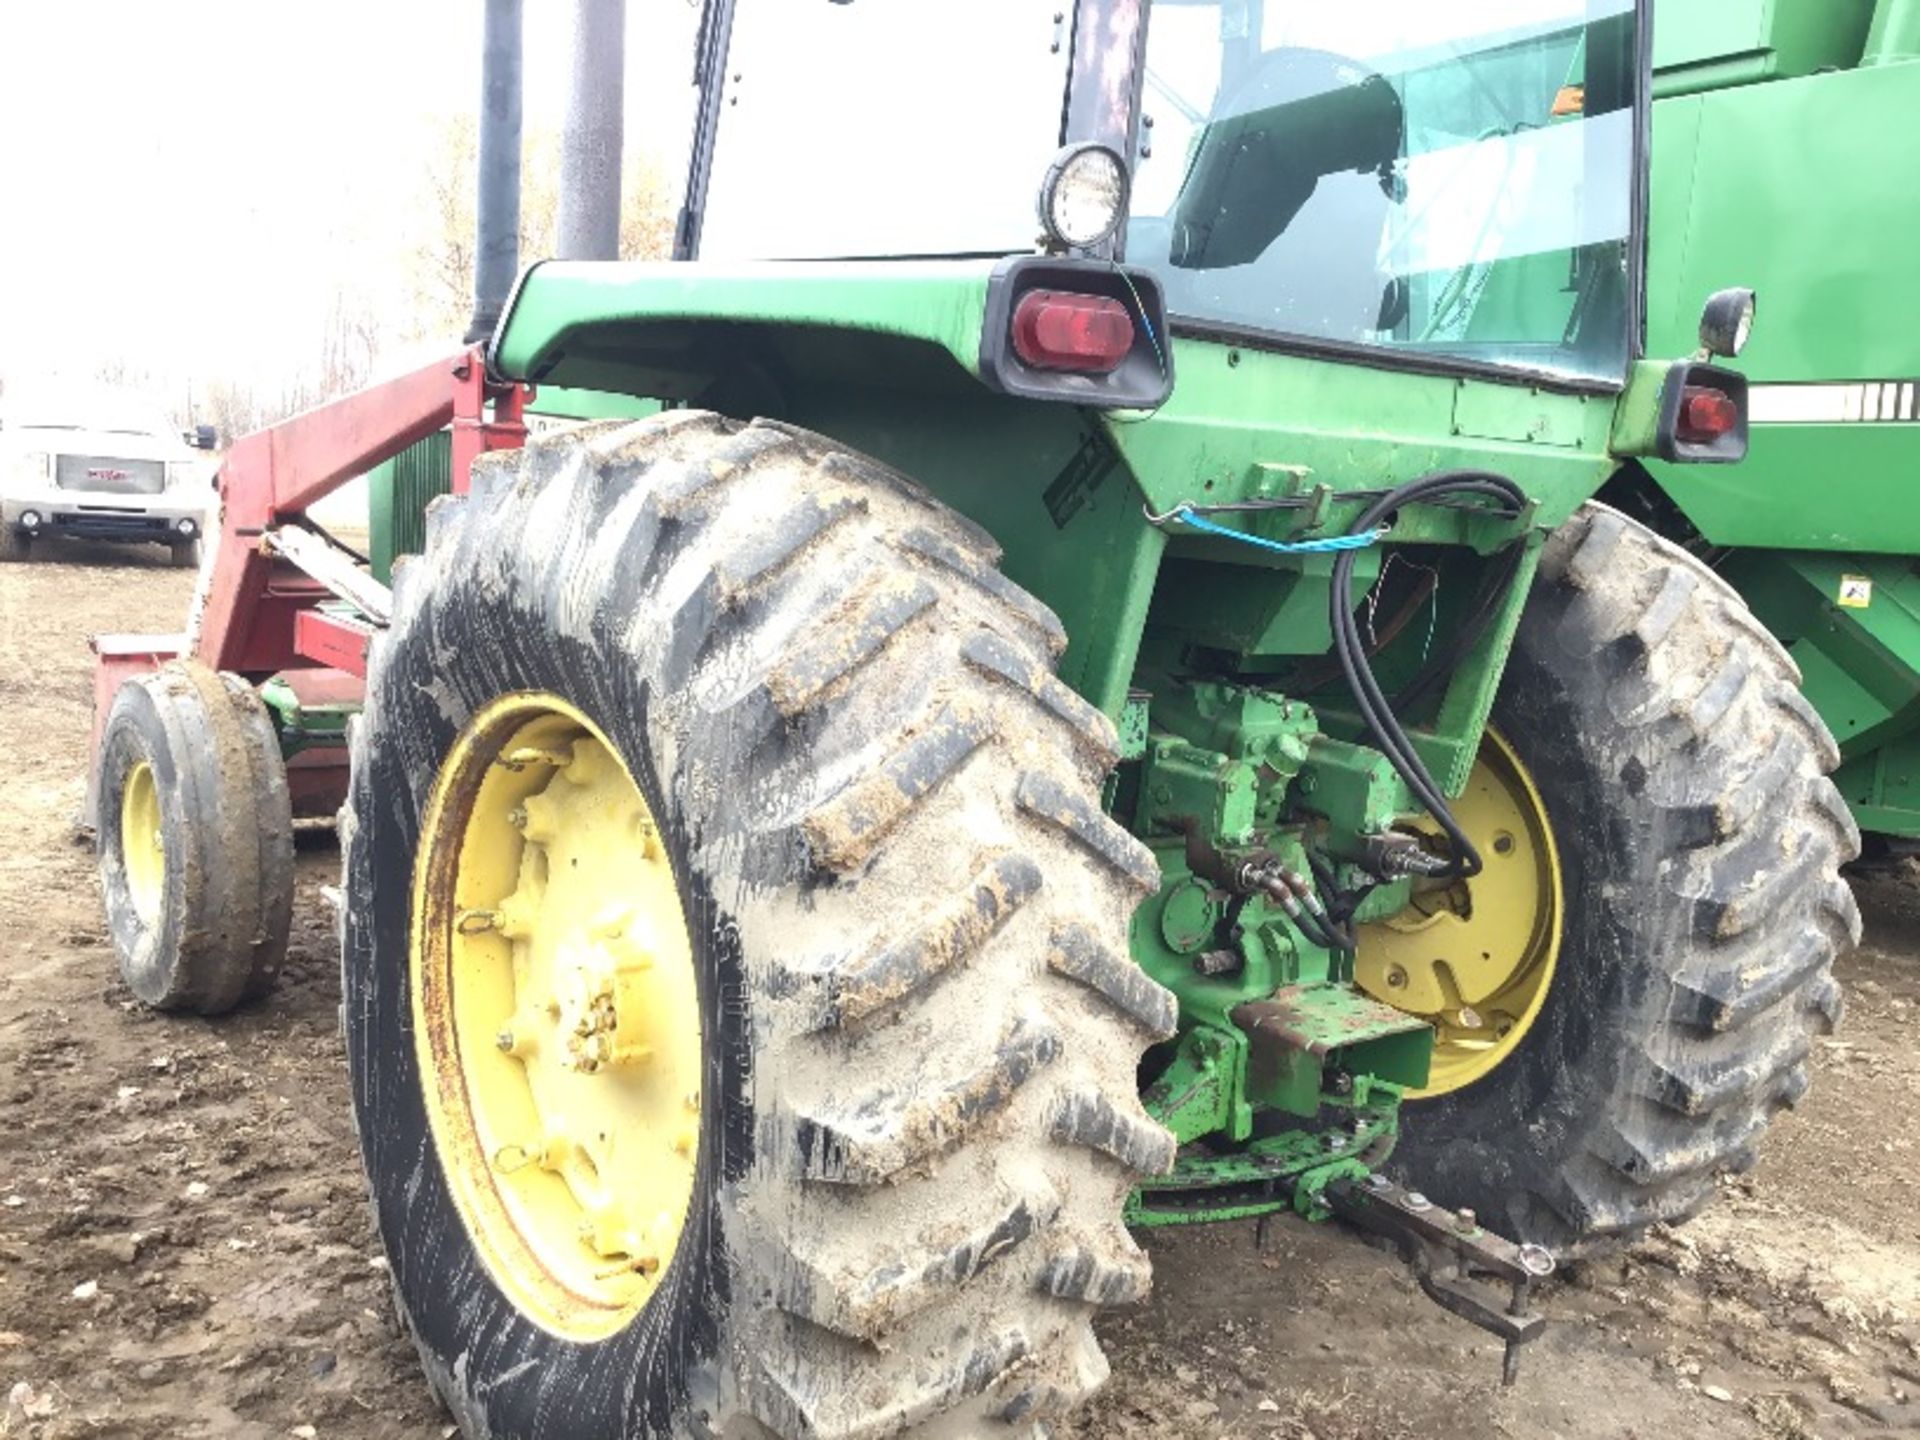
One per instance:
(1053, 330)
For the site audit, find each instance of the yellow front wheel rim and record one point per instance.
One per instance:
(143, 843)
(556, 1016)
(1476, 958)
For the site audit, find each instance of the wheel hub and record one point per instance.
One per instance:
(558, 1016)
(1475, 958)
(143, 847)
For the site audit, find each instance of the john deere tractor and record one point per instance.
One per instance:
(1084, 687)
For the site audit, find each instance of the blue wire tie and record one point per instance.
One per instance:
(1323, 546)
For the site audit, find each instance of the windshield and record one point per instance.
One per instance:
(878, 128)
(1449, 179)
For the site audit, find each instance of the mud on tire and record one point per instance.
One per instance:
(1685, 779)
(226, 829)
(921, 1023)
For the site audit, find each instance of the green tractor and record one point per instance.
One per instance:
(990, 745)
(1758, 172)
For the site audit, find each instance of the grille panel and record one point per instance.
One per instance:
(106, 475)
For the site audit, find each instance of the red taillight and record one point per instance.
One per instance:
(1705, 415)
(1053, 330)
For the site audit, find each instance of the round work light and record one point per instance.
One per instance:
(1084, 196)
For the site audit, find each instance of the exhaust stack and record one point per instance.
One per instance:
(497, 207)
(590, 143)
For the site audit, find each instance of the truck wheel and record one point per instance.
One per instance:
(184, 554)
(16, 547)
(1630, 989)
(741, 1025)
(195, 837)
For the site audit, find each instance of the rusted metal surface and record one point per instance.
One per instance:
(1460, 1264)
(1319, 1019)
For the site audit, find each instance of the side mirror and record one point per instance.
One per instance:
(202, 437)
(1726, 320)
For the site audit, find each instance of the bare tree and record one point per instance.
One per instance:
(440, 290)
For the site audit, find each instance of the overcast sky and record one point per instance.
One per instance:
(183, 183)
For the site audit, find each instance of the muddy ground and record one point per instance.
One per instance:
(185, 1252)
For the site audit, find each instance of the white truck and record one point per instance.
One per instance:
(100, 466)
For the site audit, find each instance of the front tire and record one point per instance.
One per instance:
(184, 554)
(194, 831)
(16, 547)
(1699, 842)
(918, 1023)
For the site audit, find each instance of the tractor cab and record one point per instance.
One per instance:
(1445, 183)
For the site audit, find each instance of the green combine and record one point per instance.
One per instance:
(1023, 740)
(1764, 168)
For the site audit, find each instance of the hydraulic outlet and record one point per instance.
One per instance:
(1296, 897)
(1394, 853)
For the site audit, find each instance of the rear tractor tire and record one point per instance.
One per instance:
(742, 1030)
(195, 838)
(1652, 939)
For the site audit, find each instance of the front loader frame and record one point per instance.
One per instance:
(269, 605)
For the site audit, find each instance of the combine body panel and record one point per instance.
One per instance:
(1770, 165)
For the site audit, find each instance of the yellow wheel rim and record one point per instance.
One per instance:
(556, 1016)
(142, 844)
(1475, 958)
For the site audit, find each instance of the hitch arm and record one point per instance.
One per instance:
(1459, 1264)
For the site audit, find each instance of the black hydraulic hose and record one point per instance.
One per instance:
(1302, 906)
(1340, 904)
(1376, 712)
